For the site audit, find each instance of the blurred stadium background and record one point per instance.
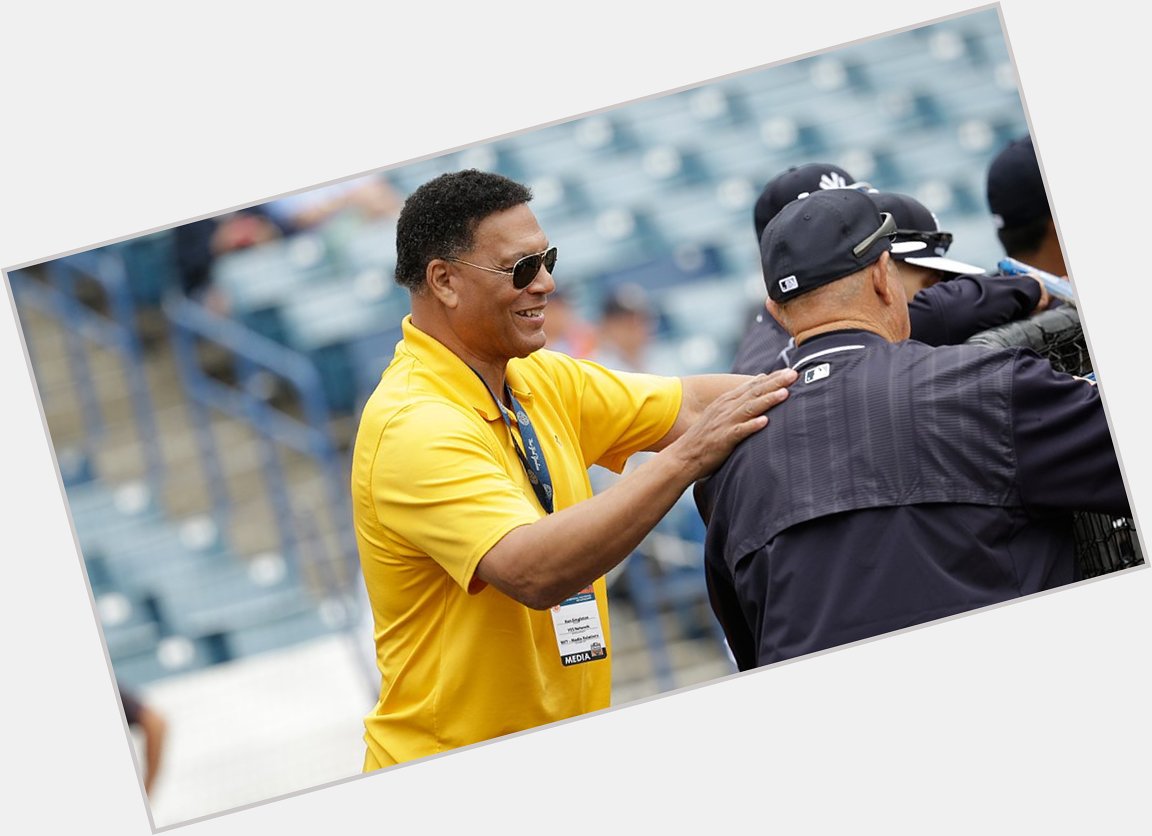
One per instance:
(204, 448)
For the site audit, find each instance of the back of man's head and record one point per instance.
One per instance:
(439, 218)
(797, 181)
(1017, 198)
(827, 264)
(819, 239)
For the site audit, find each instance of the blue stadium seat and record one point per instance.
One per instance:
(172, 656)
(149, 266)
(740, 152)
(407, 177)
(683, 117)
(324, 321)
(129, 624)
(368, 356)
(291, 629)
(257, 281)
(714, 307)
(229, 598)
(705, 214)
(688, 264)
(588, 247)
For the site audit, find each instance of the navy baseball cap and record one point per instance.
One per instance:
(919, 239)
(1015, 187)
(823, 237)
(797, 181)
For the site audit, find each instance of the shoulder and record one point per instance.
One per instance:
(572, 375)
(963, 354)
(416, 429)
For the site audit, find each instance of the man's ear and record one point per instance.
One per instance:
(776, 312)
(441, 282)
(879, 274)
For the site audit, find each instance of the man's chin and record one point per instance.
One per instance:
(529, 346)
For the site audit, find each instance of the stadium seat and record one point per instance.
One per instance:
(257, 281)
(324, 321)
(293, 627)
(149, 266)
(172, 656)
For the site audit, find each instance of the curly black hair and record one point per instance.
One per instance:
(439, 218)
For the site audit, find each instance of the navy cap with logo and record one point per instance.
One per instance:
(797, 181)
(919, 239)
(821, 238)
(1015, 186)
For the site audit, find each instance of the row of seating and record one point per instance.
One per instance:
(620, 192)
(657, 192)
(172, 597)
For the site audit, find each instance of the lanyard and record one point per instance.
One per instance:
(534, 464)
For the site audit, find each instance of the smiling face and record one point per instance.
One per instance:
(492, 320)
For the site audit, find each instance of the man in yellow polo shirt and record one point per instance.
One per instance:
(482, 546)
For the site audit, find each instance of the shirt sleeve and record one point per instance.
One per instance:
(439, 482)
(1065, 455)
(621, 413)
(949, 312)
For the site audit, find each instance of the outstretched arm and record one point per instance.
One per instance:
(542, 563)
(949, 312)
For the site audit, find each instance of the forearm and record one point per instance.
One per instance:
(544, 562)
(698, 391)
(950, 312)
(573, 547)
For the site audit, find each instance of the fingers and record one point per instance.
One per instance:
(743, 411)
(1042, 304)
(765, 391)
(734, 416)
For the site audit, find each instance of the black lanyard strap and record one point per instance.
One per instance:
(534, 464)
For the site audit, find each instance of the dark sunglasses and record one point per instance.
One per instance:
(938, 241)
(524, 271)
(887, 230)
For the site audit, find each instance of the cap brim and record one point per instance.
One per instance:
(948, 265)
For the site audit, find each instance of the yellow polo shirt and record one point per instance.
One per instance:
(436, 483)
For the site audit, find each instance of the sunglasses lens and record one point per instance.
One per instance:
(526, 269)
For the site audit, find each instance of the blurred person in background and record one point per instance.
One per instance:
(482, 547)
(152, 727)
(627, 321)
(951, 301)
(568, 331)
(196, 245)
(1020, 209)
(371, 198)
(899, 483)
(765, 338)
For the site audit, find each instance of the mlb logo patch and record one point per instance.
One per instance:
(817, 373)
(788, 283)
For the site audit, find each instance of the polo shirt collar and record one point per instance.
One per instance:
(458, 375)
